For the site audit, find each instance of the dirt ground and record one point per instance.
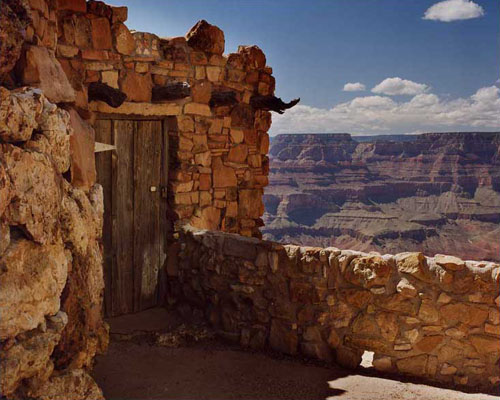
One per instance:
(213, 371)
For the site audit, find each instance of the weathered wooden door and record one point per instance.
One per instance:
(134, 179)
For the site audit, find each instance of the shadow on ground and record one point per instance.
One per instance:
(210, 370)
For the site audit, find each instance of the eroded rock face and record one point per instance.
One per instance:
(32, 279)
(36, 193)
(13, 20)
(74, 384)
(19, 112)
(50, 258)
(434, 193)
(29, 357)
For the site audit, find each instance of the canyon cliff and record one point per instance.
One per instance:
(434, 193)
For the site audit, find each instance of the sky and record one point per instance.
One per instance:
(359, 66)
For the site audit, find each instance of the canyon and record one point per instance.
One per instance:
(432, 192)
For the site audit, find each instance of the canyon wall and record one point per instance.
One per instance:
(434, 193)
(431, 317)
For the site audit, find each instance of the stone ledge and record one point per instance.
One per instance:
(143, 109)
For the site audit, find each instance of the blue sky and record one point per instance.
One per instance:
(317, 46)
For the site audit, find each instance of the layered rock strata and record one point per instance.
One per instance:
(431, 317)
(433, 193)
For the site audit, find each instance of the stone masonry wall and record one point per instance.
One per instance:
(218, 141)
(51, 214)
(436, 318)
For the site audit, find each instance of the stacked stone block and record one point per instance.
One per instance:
(218, 157)
(432, 317)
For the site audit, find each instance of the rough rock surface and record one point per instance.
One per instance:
(13, 20)
(40, 68)
(206, 37)
(33, 277)
(435, 193)
(50, 259)
(418, 317)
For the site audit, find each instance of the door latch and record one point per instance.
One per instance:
(163, 192)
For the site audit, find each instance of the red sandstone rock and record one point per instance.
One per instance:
(250, 203)
(124, 41)
(13, 20)
(238, 153)
(206, 37)
(137, 87)
(222, 176)
(252, 56)
(99, 8)
(120, 14)
(39, 67)
(82, 140)
(101, 33)
(201, 92)
(72, 5)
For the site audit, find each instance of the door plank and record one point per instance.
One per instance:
(123, 217)
(103, 169)
(147, 169)
(165, 229)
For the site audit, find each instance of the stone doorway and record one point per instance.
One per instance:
(134, 179)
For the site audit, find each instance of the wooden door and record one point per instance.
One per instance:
(134, 233)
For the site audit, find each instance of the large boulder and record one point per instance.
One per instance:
(36, 192)
(53, 136)
(28, 358)
(19, 113)
(206, 37)
(86, 333)
(39, 67)
(32, 279)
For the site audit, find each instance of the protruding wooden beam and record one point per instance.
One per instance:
(223, 98)
(100, 147)
(271, 103)
(171, 91)
(111, 96)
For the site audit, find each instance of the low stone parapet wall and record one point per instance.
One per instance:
(430, 317)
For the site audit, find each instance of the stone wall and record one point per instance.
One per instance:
(50, 259)
(218, 141)
(51, 213)
(435, 318)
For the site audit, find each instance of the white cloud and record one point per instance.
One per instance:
(453, 10)
(398, 86)
(354, 87)
(425, 112)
